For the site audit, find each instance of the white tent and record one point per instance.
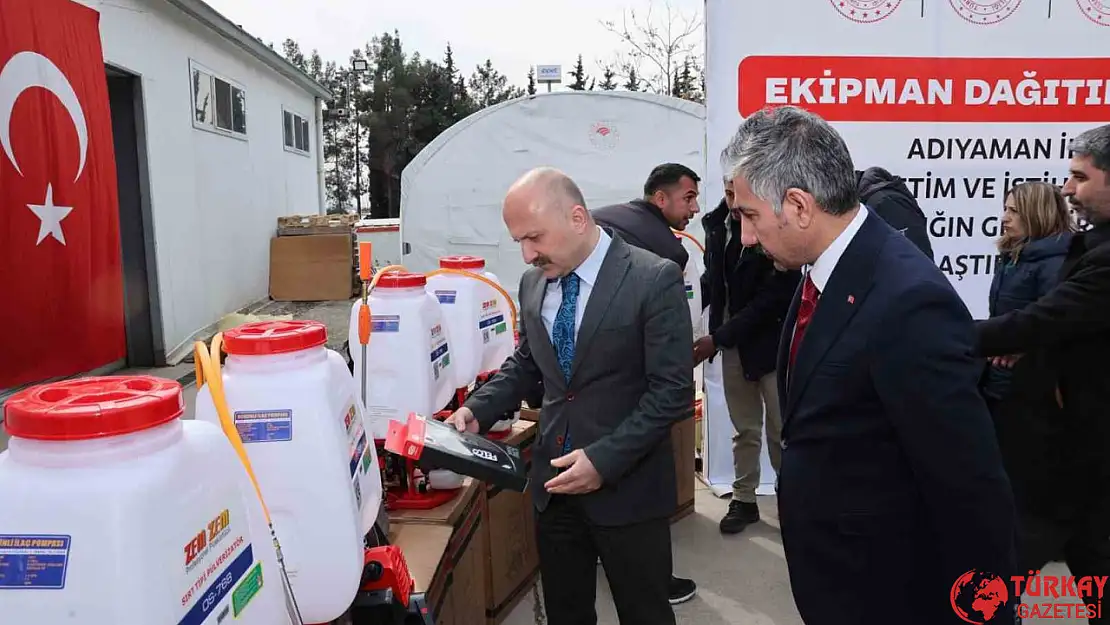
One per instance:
(607, 141)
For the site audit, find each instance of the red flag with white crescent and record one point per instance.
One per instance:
(61, 275)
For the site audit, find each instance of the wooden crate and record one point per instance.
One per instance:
(295, 225)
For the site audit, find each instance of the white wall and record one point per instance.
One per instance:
(215, 199)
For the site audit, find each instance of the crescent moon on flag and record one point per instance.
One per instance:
(31, 69)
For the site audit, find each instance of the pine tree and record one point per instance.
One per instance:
(607, 82)
(579, 75)
(633, 82)
(531, 81)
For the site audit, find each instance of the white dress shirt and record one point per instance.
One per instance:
(821, 271)
(587, 278)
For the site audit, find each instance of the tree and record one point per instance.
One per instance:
(579, 75)
(632, 83)
(687, 83)
(607, 79)
(662, 42)
(291, 50)
(531, 81)
(489, 86)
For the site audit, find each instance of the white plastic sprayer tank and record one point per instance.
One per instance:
(294, 405)
(477, 317)
(410, 356)
(117, 511)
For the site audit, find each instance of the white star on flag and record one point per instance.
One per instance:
(50, 217)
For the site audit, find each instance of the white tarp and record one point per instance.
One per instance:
(607, 141)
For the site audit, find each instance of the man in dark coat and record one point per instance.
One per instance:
(887, 196)
(1071, 327)
(670, 201)
(747, 299)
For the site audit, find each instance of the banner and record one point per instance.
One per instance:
(61, 277)
(961, 98)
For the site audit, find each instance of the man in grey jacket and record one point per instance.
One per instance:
(606, 327)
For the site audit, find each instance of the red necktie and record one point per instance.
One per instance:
(805, 313)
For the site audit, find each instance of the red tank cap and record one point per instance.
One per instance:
(90, 408)
(466, 263)
(401, 280)
(266, 338)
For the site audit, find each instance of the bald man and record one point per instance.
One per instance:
(613, 344)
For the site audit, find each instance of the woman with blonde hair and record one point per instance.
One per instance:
(1037, 228)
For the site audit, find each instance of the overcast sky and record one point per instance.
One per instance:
(514, 34)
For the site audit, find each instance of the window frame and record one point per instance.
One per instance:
(212, 124)
(293, 149)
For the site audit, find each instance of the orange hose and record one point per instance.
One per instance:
(497, 287)
(691, 237)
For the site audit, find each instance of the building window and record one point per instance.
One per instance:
(296, 132)
(219, 105)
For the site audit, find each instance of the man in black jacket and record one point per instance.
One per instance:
(887, 196)
(670, 201)
(1070, 328)
(748, 298)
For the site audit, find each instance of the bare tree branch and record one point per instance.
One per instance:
(663, 47)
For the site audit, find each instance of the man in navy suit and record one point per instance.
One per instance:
(892, 485)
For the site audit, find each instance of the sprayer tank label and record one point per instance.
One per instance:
(689, 291)
(440, 358)
(385, 323)
(36, 562)
(446, 297)
(221, 586)
(264, 426)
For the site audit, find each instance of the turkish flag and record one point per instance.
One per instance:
(61, 275)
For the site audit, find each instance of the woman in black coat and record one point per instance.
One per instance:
(1037, 228)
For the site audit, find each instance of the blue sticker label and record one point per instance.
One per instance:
(490, 322)
(219, 589)
(264, 426)
(33, 561)
(385, 323)
(356, 456)
(446, 297)
(439, 351)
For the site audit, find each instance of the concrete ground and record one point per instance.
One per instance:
(742, 579)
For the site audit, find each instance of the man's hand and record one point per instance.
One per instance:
(704, 348)
(580, 478)
(463, 420)
(1006, 362)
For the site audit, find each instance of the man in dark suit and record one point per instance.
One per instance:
(1069, 331)
(892, 485)
(607, 329)
(670, 201)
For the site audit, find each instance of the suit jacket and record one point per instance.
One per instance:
(892, 485)
(631, 380)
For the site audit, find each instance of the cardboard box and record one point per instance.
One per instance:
(311, 268)
(513, 561)
(455, 586)
(529, 414)
(682, 442)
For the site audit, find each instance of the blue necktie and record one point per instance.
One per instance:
(562, 333)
